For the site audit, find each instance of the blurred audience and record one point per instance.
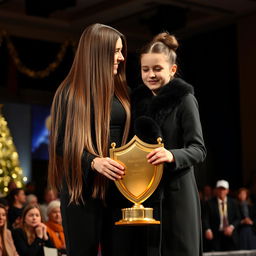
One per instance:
(253, 189)
(54, 226)
(11, 186)
(247, 228)
(7, 247)
(4, 202)
(30, 188)
(207, 193)
(49, 195)
(221, 219)
(17, 201)
(31, 199)
(228, 224)
(32, 236)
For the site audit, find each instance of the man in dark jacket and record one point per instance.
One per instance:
(221, 219)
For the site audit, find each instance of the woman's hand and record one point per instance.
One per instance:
(208, 234)
(45, 236)
(41, 231)
(247, 221)
(108, 167)
(160, 155)
(17, 223)
(228, 231)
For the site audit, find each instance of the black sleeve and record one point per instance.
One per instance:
(22, 246)
(206, 216)
(236, 213)
(194, 150)
(49, 242)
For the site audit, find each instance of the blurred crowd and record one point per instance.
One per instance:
(228, 218)
(27, 227)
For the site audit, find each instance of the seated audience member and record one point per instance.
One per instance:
(221, 218)
(31, 199)
(30, 188)
(17, 202)
(49, 195)
(11, 186)
(32, 237)
(7, 247)
(247, 228)
(54, 226)
(4, 202)
(207, 193)
(253, 188)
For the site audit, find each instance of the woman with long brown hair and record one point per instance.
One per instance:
(32, 236)
(7, 247)
(90, 109)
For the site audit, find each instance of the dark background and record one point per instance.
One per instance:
(209, 57)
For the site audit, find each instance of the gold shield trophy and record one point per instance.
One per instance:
(140, 180)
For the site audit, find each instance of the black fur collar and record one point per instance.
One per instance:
(168, 97)
(149, 111)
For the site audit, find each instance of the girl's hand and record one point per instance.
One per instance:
(108, 167)
(160, 155)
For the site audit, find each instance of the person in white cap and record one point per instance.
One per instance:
(221, 217)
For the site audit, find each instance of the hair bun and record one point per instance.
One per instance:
(167, 39)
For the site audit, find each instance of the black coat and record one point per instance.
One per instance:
(173, 113)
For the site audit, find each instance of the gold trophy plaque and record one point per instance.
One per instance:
(140, 180)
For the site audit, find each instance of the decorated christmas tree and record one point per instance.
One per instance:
(10, 169)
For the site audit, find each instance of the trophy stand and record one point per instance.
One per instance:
(140, 180)
(137, 215)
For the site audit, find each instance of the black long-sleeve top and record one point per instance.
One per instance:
(24, 248)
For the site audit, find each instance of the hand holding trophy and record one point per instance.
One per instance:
(140, 180)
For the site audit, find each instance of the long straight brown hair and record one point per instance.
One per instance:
(87, 91)
(6, 249)
(31, 236)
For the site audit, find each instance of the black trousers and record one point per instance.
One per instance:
(221, 242)
(92, 224)
(82, 226)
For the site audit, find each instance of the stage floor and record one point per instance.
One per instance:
(236, 253)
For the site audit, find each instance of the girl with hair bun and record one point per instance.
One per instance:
(168, 105)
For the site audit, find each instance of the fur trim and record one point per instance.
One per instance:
(147, 129)
(160, 106)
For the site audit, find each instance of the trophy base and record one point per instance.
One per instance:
(136, 216)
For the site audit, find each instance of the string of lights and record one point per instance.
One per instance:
(40, 74)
